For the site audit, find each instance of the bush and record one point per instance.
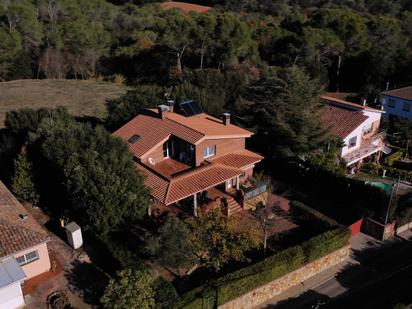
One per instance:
(165, 294)
(249, 278)
(396, 156)
(329, 221)
(253, 276)
(325, 243)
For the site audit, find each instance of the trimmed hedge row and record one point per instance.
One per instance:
(329, 221)
(251, 277)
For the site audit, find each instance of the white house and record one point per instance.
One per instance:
(358, 127)
(398, 102)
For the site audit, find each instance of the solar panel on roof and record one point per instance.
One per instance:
(190, 108)
(134, 139)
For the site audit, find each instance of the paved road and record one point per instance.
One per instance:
(382, 278)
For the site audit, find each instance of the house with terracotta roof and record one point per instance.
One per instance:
(356, 125)
(23, 249)
(398, 103)
(190, 158)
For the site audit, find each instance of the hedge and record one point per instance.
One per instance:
(249, 278)
(325, 243)
(356, 198)
(329, 221)
(253, 276)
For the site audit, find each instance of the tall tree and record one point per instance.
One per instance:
(282, 109)
(98, 175)
(22, 181)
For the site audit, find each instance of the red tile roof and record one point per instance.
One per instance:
(185, 7)
(402, 93)
(16, 234)
(341, 121)
(199, 180)
(154, 131)
(238, 159)
(169, 191)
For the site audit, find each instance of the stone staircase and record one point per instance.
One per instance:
(233, 207)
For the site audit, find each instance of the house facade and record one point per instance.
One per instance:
(358, 126)
(398, 102)
(23, 249)
(190, 158)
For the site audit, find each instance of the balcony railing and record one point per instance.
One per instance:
(253, 191)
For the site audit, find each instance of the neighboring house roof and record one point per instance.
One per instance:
(402, 93)
(16, 233)
(185, 7)
(153, 131)
(340, 120)
(347, 104)
(238, 159)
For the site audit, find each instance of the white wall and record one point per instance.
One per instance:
(11, 297)
(372, 117)
(397, 110)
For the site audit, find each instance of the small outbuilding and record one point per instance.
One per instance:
(74, 235)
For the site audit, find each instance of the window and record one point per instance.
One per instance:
(391, 103)
(367, 129)
(352, 142)
(168, 149)
(28, 258)
(209, 151)
(406, 106)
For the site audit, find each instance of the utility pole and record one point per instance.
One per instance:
(396, 185)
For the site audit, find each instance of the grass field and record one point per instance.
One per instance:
(81, 97)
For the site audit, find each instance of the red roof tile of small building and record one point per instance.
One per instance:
(341, 121)
(17, 234)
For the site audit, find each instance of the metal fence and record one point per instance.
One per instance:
(259, 189)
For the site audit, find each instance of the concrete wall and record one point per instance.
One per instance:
(38, 266)
(11, 297)
(270, 290)
(404, 228)
(398, 109)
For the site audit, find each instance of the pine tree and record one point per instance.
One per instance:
(22, 182)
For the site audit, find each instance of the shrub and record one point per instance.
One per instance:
(329, 221)
(165, 294)
(396, 156)
(244, 280)
(325, 243)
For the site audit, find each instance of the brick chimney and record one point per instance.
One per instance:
(226, 119)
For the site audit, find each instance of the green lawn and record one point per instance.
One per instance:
(81, 97)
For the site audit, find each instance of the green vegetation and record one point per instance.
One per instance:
(81, 97)
(131, 289)
(22, 182)
(250, 277)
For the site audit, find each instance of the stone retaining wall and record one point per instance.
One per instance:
(270, 290)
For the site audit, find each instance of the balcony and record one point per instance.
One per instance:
(368, 147)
